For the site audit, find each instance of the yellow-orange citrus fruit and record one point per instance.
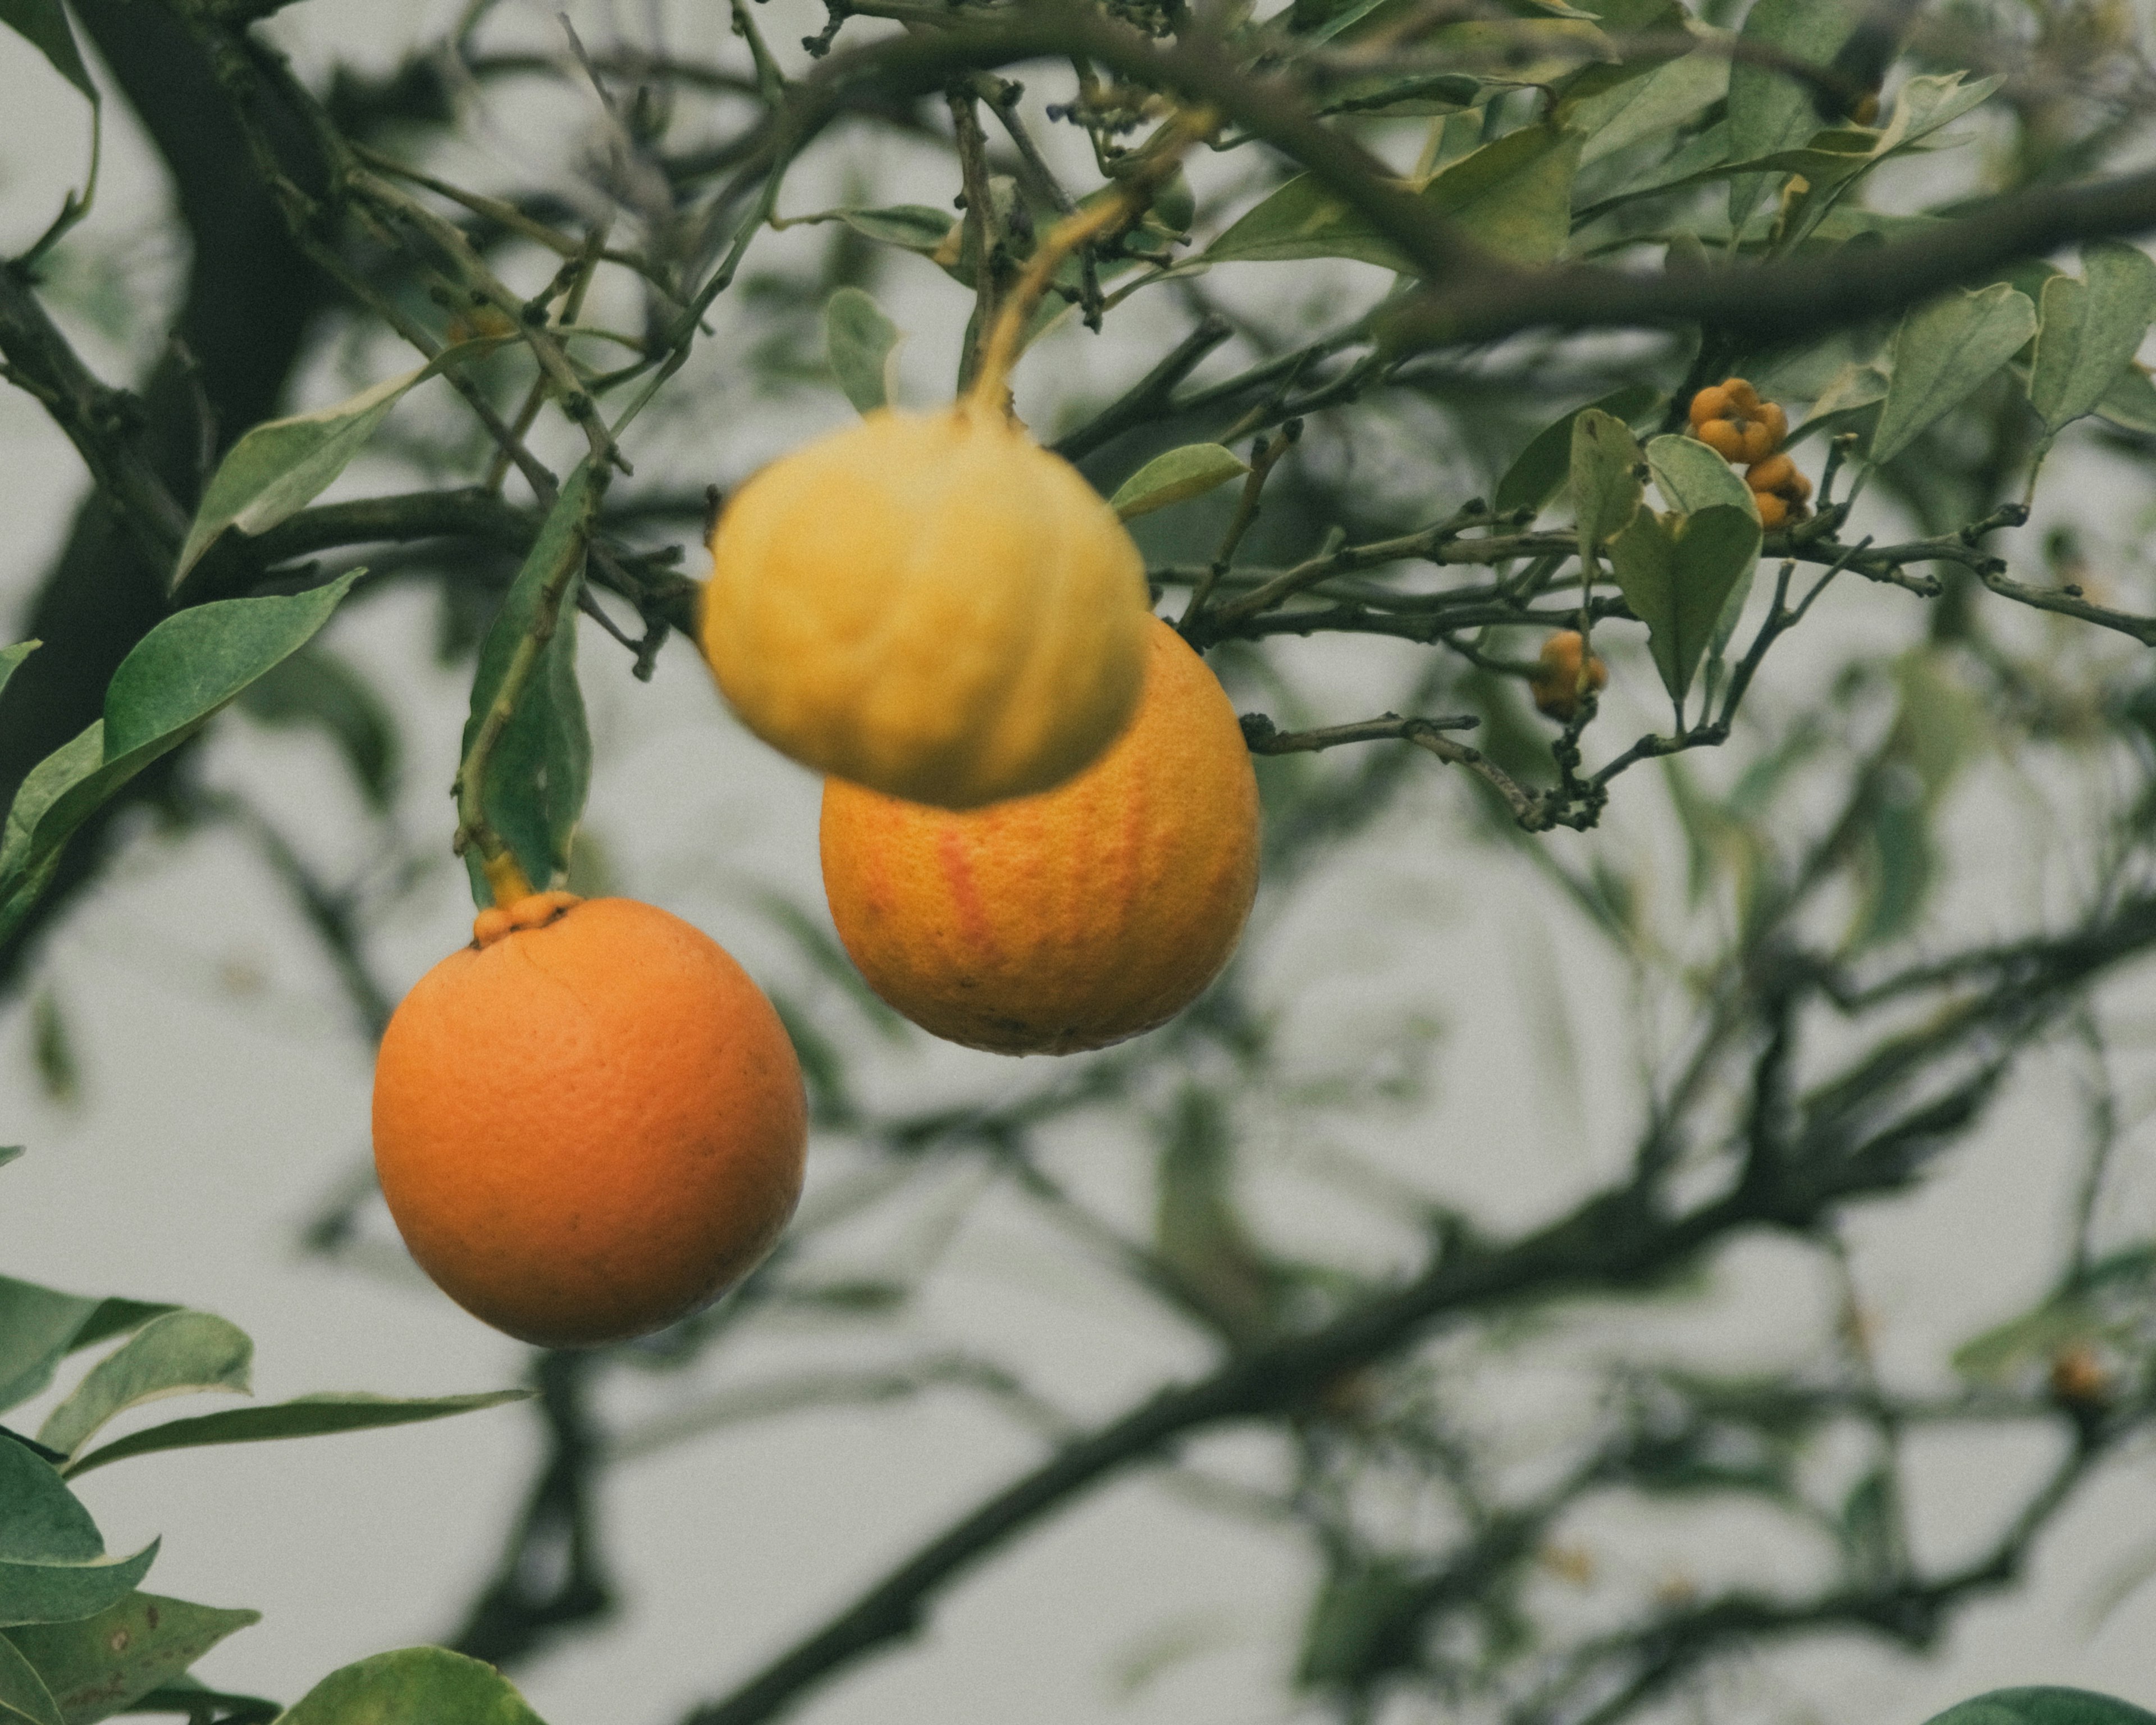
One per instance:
(1070, 920)
(588, 1122)
(1730, 418)
(1557, 682)
(932, 605)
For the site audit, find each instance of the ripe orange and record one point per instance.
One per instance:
(930, 604)
(1070, 920)
(588, 1122)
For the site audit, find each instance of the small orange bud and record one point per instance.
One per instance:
(2078, 1378)
(1773, 511)
(1772, 474)
(1564, 672)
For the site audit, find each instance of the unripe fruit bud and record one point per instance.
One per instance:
(1559, 683)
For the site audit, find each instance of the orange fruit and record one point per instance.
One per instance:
(588, 1123)
(1068, 919)
(1730, 418)
(1557, 684)
(932, 605)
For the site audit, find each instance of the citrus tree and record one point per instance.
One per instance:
(1597, 443)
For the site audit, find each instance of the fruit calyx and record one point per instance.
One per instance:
(533, 910)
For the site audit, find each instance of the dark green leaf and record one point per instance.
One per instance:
(174, 678)
(2044, 1707)
(1676, 574)
(1943, 352)
(542, 768)
(307, 1416)
(51, 1048)
(32, 1591)
(39, 1326)
(1768, 109)
(1605, 476)
(1538, 473)
(859, 341)
(1513, 196)
(99, 1665)
(10, 657)
(417, 1684)
(2089, 331)
(281, 466)
(1190, 471)
(8, 1152)
(184, 1695)
(44, 24)
(176, 1354)
(41, 1521)
(316, 687)
(25, 1700)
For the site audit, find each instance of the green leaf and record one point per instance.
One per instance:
(1605, 476)
(40, 1326)
(2130, 403)
(304, 1416)
(10, 657)
(174, 678)
(177, 1354)
(403, 1688)
(2109, 1301)
(1176, 477)
(44, 24)
(99, 1665)
(1768, 109)
(861, 342)
(25, 1700)
(1513, 196)
(8, 1152)
(1539, 471)
(1925, 104)
(1677, 574)
(1943, 352)
(542, 768)
(2045, 1706)
(316, 687)
(2089, 331)
(1615, 118)
(1692, 477)
(911, 226)
(281, 466)
(53, 1566)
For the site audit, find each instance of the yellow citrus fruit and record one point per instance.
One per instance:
(932, 605)
(1068, 919)
(588, 1122)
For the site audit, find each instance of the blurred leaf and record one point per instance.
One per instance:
(53, 1050)
(1692, 477)
(1513, 196)
(1540, 470)
(1859, 384)
(2044, 1707)
(1641, 107)
(1869, 1536)
(417, 1684)
(40, 1326)
(316, 687)
(304, 1416)
(10, 657)
(1929, 101)
(2114, 1298)
(25, 1700)
(168, 685)
(1768, 109)
(281, 466)
(822, 949)
(913, 226)
(1175, 477)
(1605, 476)
(823, 1065)
(1363, 1623)
(99, 1665)
(176, 1354)
(53, 1566)
(8, 1152)
(184, 1695)
(44, 24)
(1676, 575)
(541, 770)
(2089, 331)
(861, 344)
(1898, 864)
(1943, 352)
(2130, 403)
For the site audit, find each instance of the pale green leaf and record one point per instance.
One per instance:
(1644, 107)
(2089, 331)
(415, 1684)
(1540, 470)
(861, 342)
(1605, 476)
(1768, 109)
(1692, 477)
(281, 466)
(1943, 352)
(1176, 476)
(1677, 574)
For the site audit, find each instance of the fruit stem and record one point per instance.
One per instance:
(1118, 210)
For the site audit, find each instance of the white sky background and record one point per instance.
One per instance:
(225, 1095)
